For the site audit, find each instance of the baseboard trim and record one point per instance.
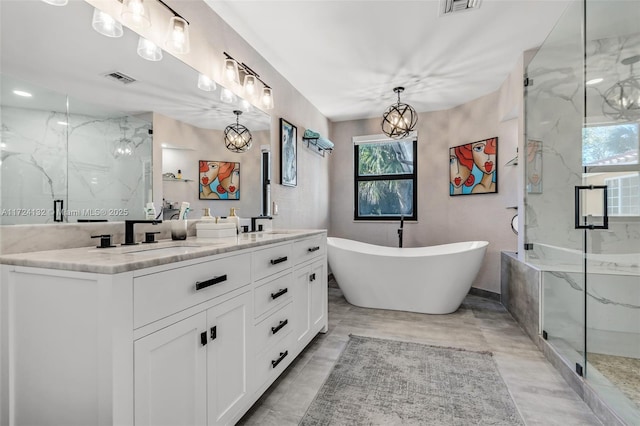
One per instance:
(486, 294)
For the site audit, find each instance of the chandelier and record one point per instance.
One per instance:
(237, 138)
(399, 119)
(622, 100)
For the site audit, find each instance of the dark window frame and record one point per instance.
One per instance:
(386, 177)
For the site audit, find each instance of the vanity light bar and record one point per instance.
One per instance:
(267, 91)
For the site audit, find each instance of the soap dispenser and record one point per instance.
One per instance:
(206, 214)
(234, 219)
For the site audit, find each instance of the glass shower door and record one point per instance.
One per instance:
(610, 159)
(554, 105)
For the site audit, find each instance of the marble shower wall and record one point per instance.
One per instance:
(45, 159)
(34, 164)
(101, 179)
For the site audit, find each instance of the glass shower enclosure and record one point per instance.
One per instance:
(582, 196)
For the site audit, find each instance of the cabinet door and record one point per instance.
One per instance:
(171, 375)
(228, 325)
(301, 301)
(318, 296)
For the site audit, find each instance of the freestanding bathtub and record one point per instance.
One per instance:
(430, 280)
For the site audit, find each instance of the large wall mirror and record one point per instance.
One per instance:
(84, 141)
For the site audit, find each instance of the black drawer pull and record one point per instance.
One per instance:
(279, 293)
(277, 328)
(278, 260)
(312, 249)
(203, 338)
(215, 280)
(275, 363)
(312, 277)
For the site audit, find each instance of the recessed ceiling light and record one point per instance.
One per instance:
(594, 81)
(3, 145)
(63, 123)
(164, 145)
(22, 93)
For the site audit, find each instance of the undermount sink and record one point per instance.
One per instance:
(150, 249)
(164, 250)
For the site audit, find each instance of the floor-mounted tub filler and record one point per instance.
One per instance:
(430, 280)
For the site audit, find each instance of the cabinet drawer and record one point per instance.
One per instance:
(309, 248)
(275, 327)
(270, 363)
(272, 292)
(271, 260)
(158, 295)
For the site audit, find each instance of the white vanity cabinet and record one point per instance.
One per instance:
(310, 289)
(194, 342)
(194, 371)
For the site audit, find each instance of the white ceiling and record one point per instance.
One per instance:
(346, 57)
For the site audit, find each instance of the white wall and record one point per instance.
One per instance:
(442, 218)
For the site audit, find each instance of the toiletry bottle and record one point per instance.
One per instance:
(150, 211)
(179, 175)
(235, 219)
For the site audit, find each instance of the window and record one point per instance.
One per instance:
(610, 144)
(623, 195)
(385, 179)
(610, 157)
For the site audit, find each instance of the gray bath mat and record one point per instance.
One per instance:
(385, 382)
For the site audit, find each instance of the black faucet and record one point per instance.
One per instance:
(400, 230)
(129, 235)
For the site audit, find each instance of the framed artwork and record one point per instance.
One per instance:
(288, 153)
(473, 168)
(534, 167)
(219, 180)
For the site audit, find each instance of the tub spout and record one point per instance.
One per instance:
(400, 230)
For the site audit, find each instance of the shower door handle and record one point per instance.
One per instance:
(578, 208)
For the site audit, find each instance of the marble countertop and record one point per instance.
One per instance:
(129, 258)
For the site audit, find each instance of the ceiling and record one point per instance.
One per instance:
(346, 57)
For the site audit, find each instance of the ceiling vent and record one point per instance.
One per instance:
(448, 7)
(122, 78)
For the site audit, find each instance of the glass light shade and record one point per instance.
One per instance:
(177, 40)
(123, 148)
(250, 85)
(267, 98)
(230, 71)
(56, 2)
(135, 14)
(246, 105)
(105, 24)
(149, 50)
(227, 96)
(205, 83)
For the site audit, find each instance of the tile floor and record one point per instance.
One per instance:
(540, 393)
